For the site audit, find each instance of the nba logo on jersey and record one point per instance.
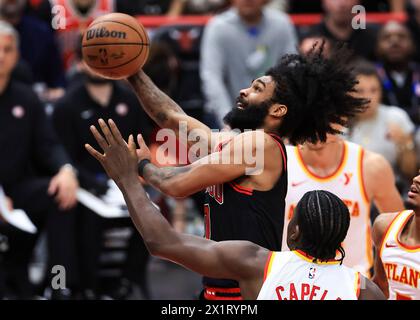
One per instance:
(312, 271)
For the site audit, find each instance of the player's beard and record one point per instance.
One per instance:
(251, 117)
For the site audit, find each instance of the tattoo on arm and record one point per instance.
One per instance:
(156, 176)
(155, 102)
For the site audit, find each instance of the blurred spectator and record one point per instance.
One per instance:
(37, 47)
(400, 77)
(204, 6)
(151, 7)
(386, 130)
(413, 23)
(337, 26)
(84, 103)
(78, 15)
(238, 46)
(315, 6)
(36, 174)
(40, 9)
(308, 43)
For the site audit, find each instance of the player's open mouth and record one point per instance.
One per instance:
(413, 191)
(240, 105)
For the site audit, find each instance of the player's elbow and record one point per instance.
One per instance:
(175, 189)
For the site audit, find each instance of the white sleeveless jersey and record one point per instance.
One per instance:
(401, 262)
(292, 275)
(347, 183)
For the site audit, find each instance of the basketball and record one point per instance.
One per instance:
(115, 46)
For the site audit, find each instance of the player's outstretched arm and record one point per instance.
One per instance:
(164, 111)
(244, 154)
(240, 260)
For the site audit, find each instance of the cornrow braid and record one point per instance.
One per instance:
(323, 220)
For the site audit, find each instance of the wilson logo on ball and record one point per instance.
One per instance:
(104, 33)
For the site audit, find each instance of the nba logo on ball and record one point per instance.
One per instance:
(115, 46)
(312, 271)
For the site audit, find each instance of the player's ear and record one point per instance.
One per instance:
(295, 233)
(278, 110)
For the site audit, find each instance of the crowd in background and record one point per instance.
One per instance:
(202, 68)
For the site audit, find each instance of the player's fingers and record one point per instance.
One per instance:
(131, 143)
(98, 137)
(98, 156)
(116, 132)
(107, 133)
(140, 141)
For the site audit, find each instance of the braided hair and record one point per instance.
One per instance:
(323, 220)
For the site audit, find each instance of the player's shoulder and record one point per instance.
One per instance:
(374, 162)
(276, 17)
(381, 225)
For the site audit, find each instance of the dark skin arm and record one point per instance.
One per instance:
(166, 112)
(239, 260)
(218, 167)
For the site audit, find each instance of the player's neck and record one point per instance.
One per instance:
(101, 93)
(414, 229)
(325, 160)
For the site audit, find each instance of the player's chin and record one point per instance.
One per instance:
(413, 199)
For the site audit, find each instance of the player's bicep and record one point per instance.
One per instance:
(380, 181)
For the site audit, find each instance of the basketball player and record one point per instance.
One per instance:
(309, 272)
(78, 14)
(357, 176)
(397, 240)
(287, 102)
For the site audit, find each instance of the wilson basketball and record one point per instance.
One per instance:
(115, 46)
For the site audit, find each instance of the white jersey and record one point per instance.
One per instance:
(292, 275)
(347, 183)
(401, 262)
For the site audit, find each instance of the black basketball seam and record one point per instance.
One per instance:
(118, 23)
(116, 44)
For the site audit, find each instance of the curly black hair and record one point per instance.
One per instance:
(324, 221)
(317, 92)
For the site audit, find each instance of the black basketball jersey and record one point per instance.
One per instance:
(234, 212)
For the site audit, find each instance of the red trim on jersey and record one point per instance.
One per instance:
(240, 189)
(386, 233)
(401, 228)
(339, 167)
(281, 149)
(211, 293)
(358, 284)
(303, 253)
(267, 264)
(363, 186)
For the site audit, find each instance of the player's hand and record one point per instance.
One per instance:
(119, 158)
(64, 186)
(143, 152)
